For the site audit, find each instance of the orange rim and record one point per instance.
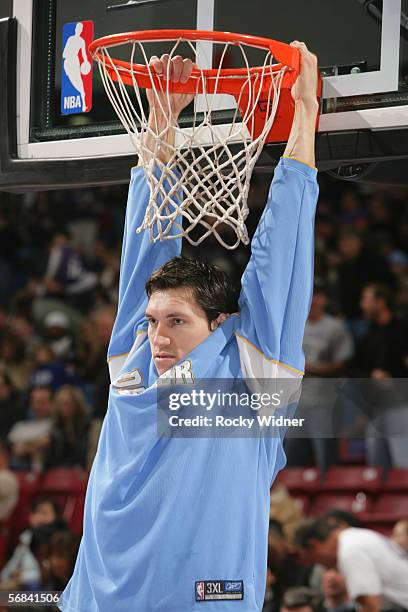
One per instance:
(229, 80)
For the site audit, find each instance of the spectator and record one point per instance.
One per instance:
(94, 340)
(96, 334)
(400, 534)
(8, 484)
(342, 518)
(31, 438)
(353, 213)
(49, 371)
(381, 221)
(24, 330)
(336, 598)
(66, 277)
(103, 319)
(285, 509)
(383, 350)
(13, 358)
(69, 435)
(22, 570)
(62, 554)
(109, 260)
(284, 566)
(369, 563)
(302, 599)
(398, 261)
(357, 268)
(11, 406)
(381, 355)
(328, 345)
(58, 335)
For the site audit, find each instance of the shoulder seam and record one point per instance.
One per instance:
(270, 359)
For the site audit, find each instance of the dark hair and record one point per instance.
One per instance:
(211, 287)
(7, 379)
(42, 534)
(64, 544)
(339, 517)
(382, 292)
(17, 345)
(315, 528)
(45, 499)
(320, 287)
(79, 417)
(276, 528)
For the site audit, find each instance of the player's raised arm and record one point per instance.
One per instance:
(301, 143)
(277, 283)
(165, 107)
(139, 256)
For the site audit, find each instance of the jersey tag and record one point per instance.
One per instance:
(210, 590)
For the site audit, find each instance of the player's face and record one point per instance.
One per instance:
(177, 324)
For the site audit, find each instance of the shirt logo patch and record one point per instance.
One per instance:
(211, 590)
(200, 591)
(129, 383)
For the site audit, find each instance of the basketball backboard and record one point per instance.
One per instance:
(362, 46)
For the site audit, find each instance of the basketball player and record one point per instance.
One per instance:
(181, 524)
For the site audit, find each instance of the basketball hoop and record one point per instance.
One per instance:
(206, 181)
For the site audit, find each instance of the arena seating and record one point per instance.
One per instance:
(300, 480)
(389, 507)
(67, 486)
(376, 498)
(397, 480)
(358, 503)
(355, 478)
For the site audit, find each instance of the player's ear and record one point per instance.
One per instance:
(220, 319)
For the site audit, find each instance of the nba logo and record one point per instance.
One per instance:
(76, 77)
(200, 591)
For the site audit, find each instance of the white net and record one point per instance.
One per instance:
(202, 189)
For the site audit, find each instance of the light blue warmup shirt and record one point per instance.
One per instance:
(168, 521)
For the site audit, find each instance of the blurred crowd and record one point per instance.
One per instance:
(331, 563)
(44, 557)
(59, 271)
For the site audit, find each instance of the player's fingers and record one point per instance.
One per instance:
(304, 51)
(166, 66)
(187, 69)
(156, 64)
(301, 46)
(176, 68)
